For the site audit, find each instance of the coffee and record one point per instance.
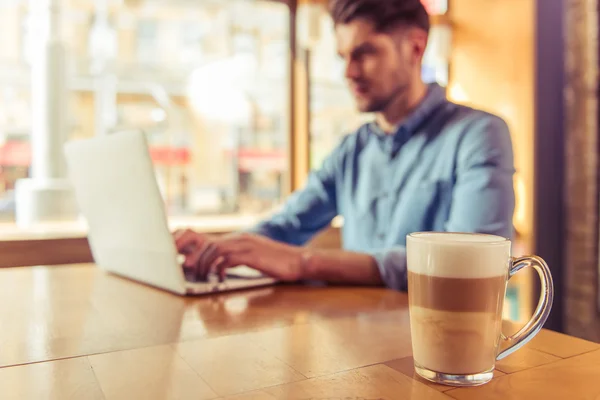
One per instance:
(456, 288)
(456, 295)
(456, 322)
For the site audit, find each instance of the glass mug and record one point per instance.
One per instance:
(456, 288)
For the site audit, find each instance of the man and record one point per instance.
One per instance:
(424, 164)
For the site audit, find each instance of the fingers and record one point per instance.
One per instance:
(224, 263)
(183, 235)
(210, 251)
(189, 243)
(178, 232)
(186, 241)
(197, 259)
(207, 258)
(214, 267)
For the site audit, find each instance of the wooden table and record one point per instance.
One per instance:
(74, 332)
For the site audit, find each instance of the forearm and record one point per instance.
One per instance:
(341, 267)
(294, 227)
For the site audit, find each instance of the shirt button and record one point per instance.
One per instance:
(381, 236)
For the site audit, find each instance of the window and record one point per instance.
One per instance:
(208, 82)
(435, 7)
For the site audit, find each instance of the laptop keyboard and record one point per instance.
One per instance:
(190, 276)
(241, 272)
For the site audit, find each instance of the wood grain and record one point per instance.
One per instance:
(79, 310)
(233, 364)
(149, 373)
(60, 380)
(285, 342)
(256, 395)
(524, 358)
(554, 343)
(24, 253)
(561, 345)
(574, 378)
(374, 382)
(339, 344)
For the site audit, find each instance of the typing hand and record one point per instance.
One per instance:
(207, 253)
(187, 243)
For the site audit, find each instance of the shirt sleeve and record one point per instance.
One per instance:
(483, 198)
(310, 209)
(392, 267)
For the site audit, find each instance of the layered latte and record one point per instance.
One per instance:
(457, 284)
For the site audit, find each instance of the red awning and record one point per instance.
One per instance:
(18, 154)
(15, 154)
(250, 159)
(170, 156)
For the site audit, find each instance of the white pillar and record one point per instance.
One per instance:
(46, 196)
(103, 51)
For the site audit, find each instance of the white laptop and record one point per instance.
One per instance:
(116, 189)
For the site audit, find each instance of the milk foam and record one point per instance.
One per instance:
(458, 255)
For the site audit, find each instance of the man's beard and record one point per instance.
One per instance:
(381, 104)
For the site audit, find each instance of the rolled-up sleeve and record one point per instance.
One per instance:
(392, 267)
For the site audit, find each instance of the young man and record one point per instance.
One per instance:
(424, 164)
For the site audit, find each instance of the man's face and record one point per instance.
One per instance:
(379, 65)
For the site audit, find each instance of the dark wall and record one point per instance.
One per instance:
(549, 150)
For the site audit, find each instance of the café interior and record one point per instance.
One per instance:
(241, 99)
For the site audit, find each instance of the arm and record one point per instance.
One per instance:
(483, 201)
(273, 245)
(308, 210)
(338, 266)
(279, 260)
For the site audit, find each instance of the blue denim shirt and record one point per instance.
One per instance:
(446, 168)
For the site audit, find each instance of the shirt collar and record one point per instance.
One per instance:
(434, 97)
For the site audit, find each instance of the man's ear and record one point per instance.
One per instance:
(418, 41)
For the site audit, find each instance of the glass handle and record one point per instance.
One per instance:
(525, 334)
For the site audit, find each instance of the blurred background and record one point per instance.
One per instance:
(241, 98)
(211, 83)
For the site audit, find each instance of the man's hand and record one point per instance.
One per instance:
(207, 253)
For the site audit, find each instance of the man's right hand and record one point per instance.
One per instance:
(206, 254)
(189, 242)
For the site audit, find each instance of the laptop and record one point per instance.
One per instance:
(118, 195)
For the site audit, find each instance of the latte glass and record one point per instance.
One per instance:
(456, 287)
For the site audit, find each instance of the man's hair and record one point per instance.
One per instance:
(383, 14)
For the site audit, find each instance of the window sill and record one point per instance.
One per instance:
(72, 230)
